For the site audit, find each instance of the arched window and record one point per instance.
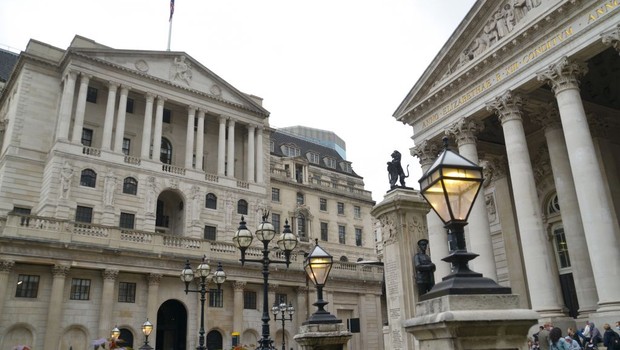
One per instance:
(127, 337)
(130, 185)
(242, 207)
(166, 151)
(211, 201)
(88, 178)
(344, 259)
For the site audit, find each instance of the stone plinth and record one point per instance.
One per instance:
(466, 322)
(323, 336)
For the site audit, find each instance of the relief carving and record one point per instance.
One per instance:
(181, 70)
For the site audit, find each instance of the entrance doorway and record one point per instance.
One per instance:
(171, 326)
(214, 340)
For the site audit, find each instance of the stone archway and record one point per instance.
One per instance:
(19, 334)
(170, 213)
(171, 326)
(214, 340)
(75, 337)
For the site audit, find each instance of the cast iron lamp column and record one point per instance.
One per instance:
(318, 264)
(265, 233)
(451, 186)
(282, 308)
(202, 272)
(147, 328)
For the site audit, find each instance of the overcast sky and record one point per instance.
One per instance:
(339, 65)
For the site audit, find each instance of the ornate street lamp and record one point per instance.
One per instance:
(451, 186)
(202, 272)
(318, 264)
(115, 333)
(283, 309)
(147, 328)
(265, 233)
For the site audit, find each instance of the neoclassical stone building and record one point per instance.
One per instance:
(118, 165)
(530, 89)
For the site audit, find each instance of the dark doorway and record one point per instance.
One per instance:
(570, 295)
(126, 337)
(214, 340)
(171, 326)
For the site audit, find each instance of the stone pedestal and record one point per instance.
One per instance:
(323, 336)
(467, 322)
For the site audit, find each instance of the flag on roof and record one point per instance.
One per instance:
(171, 9)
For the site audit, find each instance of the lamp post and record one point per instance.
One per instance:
(147, 328)
(451, 186)
(265, 232)
(203, 271)
(282, 309)
(318, 264)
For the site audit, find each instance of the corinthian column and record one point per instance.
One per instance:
(543, 283)
(146, 126)
(478, 229)
(120, 120)
(54, 312)
(189, 137)
(251, 152)
(152, 300)
(612, 37)
(66, 106)
(230, 159)
(108, 122)
(597, 212)
(259, 156)
(221, 147)
(80, 109)
(159, 116)
(238, 287)
(6, 266)
(200, 139)
(107, 299)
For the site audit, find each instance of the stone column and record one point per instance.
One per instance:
(571, 217)
(251, 152)
(107, 300)
(238, 287)
(542, 280)
(120, 120)
(189, 137)
(597, 211)
(478, 229)
(427, 152)
(54, 312)
(6, 266)
(200, 142)
(108, 122)
(159, 115)
(230, 159)
(260, 162)
(301, 309)
(80, 109)
(146, 128)
(66, 106)
(221, 147)
(152, 300)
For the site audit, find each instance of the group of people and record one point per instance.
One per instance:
(587, 338)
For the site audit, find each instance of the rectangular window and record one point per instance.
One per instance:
(126, 292)
(216, 298)
(87, 137)
(358, 237)
(281, 298)
(84, 214)
(340, 208)
(323, 204)
(300, 198)
(275, 221)
(324, 233)
(249, 300)
(80, 289)
(167, 117)
(342, 239)
(357, 212)
(129, 108)
(126, 146)
(313, 158)
(24, 213)
(275, 194)
(210, 233)
(27, 286)
(127, 221)
(91, 95)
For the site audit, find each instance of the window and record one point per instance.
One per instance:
(167, 117)
(344, 259)
(211, 201)
(126, 292)
(324, 232)
(126, 146)
(561, 247)
(216, 298)
(330, 162)
(272, 146)
(27, 286)
(341, 235)
(281, 298)
(129, 108)
(80, 289)
(358, 237)
(24, 213)
(346, 167)
(275, 194)
(340, 208)
(275, 221)
(87, 137)
(313, 158)
(242, 207)
(249, 300)
(84, 214)
(357, 212)
(210, 233)
(127, 221)
(323, 204)
(91, 95)
(88, 178)
(301, 228)
(165, 155)
(300, 198)
(130, 185)
(290, 150)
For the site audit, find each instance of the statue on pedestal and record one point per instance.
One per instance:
(424, 268)
(395, 171)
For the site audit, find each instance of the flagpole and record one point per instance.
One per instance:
(169, 33)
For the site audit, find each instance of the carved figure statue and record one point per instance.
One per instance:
(108, 189)
(66, 174)
(520, 9)
(424, 268)
(395, 170)
(500, 23)
(182, 70)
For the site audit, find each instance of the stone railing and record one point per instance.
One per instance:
(173, 169)
(280, 172)
(91, 151)
(243, 184)
(132, 160)
(212, 177)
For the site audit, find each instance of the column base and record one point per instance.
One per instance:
(323, 336)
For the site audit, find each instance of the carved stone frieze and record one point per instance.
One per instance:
(6, 265)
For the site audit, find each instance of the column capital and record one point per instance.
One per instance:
(273, 288)
(60, 270)
(426, 152)
(125, 89)
(109, 274)
(223, 119)
(465, 131)
(84, 77)
(612, 37)
(161, 100)
(191, 109)
(563, 74)
(150, 96)
(71, 74)
(251, 127)
(507, 106)
(113, 86)
(239, 285)
(548, 117)
(201, 112)
(493, 169)
(303, 290)
(154, 278)
(6, 265)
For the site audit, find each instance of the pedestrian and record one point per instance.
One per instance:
(611, 339)
(572, 343)
(555, 338)
(543, 336)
